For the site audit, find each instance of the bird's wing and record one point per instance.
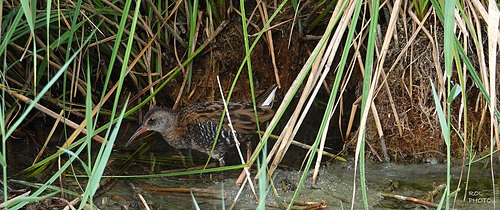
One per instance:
(242, 115)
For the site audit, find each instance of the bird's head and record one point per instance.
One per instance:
(157, 119)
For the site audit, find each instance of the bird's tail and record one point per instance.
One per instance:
(266, 98)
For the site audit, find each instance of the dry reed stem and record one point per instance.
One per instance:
(235, 138)
(271, 27)
(362, 127)
(435, 51)
(147, 62)
(143, 201)
(297, 10)
(284, 145)
(239, 192)
(2, 205)
(321, 146)
(189, 67)
(351, 118)
(352, 65)
(405, 49)
(376, 118)
(380, 132)
(480, 7)
(113, 23)
(252, 14)
(479, 47)
(69, 205)
(481, 61)
(50, 62)
(73, 203)
(179, 65)
(50, 112)
(265, 17)
(378, 126)
(12, 80)
(493, 36)
(77, 67)
(464, 110)
(380, 65)
(174, 33)
(405, 198)
(305, 146)
(356, 55)
(355, 103)
(48, 137)
(288, 97)
(219, 29)
(326, 63)
(286, 135)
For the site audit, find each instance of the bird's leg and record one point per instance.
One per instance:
(249, 150)
(222, 163)
(183, 158)
(187, 160)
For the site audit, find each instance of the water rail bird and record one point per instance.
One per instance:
(195, 126)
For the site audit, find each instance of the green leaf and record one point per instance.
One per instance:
(196, 206)
(454, 192)
(442, 118)
(457, 89)
(71, 153)
(12, 202)
(449, 23)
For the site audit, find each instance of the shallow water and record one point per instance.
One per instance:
(334, 186)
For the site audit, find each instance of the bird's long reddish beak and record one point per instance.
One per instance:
(139, 131)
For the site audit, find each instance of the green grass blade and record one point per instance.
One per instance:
(446, 135)
(75, 18)
(370, 51)
(193, 17)
(449, 49)
(441, 116)
(457, 89)
(105, 150)
(71, 153)
(263, 178)
(196, 206)
(100, 164)
(332, 95)
(49, 187)
(6, 39)
(31, 106)
(449, 23)
(54, 177)
(29, 199)
(28, 8)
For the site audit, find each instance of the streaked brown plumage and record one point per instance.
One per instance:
(195, 126)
